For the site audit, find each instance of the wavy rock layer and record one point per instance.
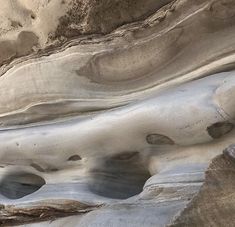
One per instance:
(113, 124)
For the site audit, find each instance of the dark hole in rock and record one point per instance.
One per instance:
(219, 129)
(158, 139)
(18, 185)
(74, 158)
(118, 178)
(33, 16)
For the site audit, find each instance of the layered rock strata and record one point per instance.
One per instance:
(116, 113)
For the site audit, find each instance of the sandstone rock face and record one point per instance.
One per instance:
(117, 113)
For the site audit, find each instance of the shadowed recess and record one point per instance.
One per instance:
(37, 167)
(119, 176)
(18, 185)
(74, 158)
(219, 129)
(214, 204)
(158, 139)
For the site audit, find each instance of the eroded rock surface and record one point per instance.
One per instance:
(116, 113)
(214, 204)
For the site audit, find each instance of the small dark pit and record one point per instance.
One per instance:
(33, 16)
(74, 158)
(158, 139)
(219, 129)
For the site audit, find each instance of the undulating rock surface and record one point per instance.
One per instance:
(117, 113)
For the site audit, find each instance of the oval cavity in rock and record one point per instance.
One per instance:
(74, 158)
(118, 178)
(18, 185)
(219, 129)
(158, 139)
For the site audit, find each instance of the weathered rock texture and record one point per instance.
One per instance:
(216, 196)
(116, 113)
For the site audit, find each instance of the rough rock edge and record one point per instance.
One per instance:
(94, 16)
(59, 46)
(196, 213)
(11, 215)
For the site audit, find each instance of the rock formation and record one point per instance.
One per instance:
(117, 113)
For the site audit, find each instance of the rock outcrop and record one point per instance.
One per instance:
(117, 113)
